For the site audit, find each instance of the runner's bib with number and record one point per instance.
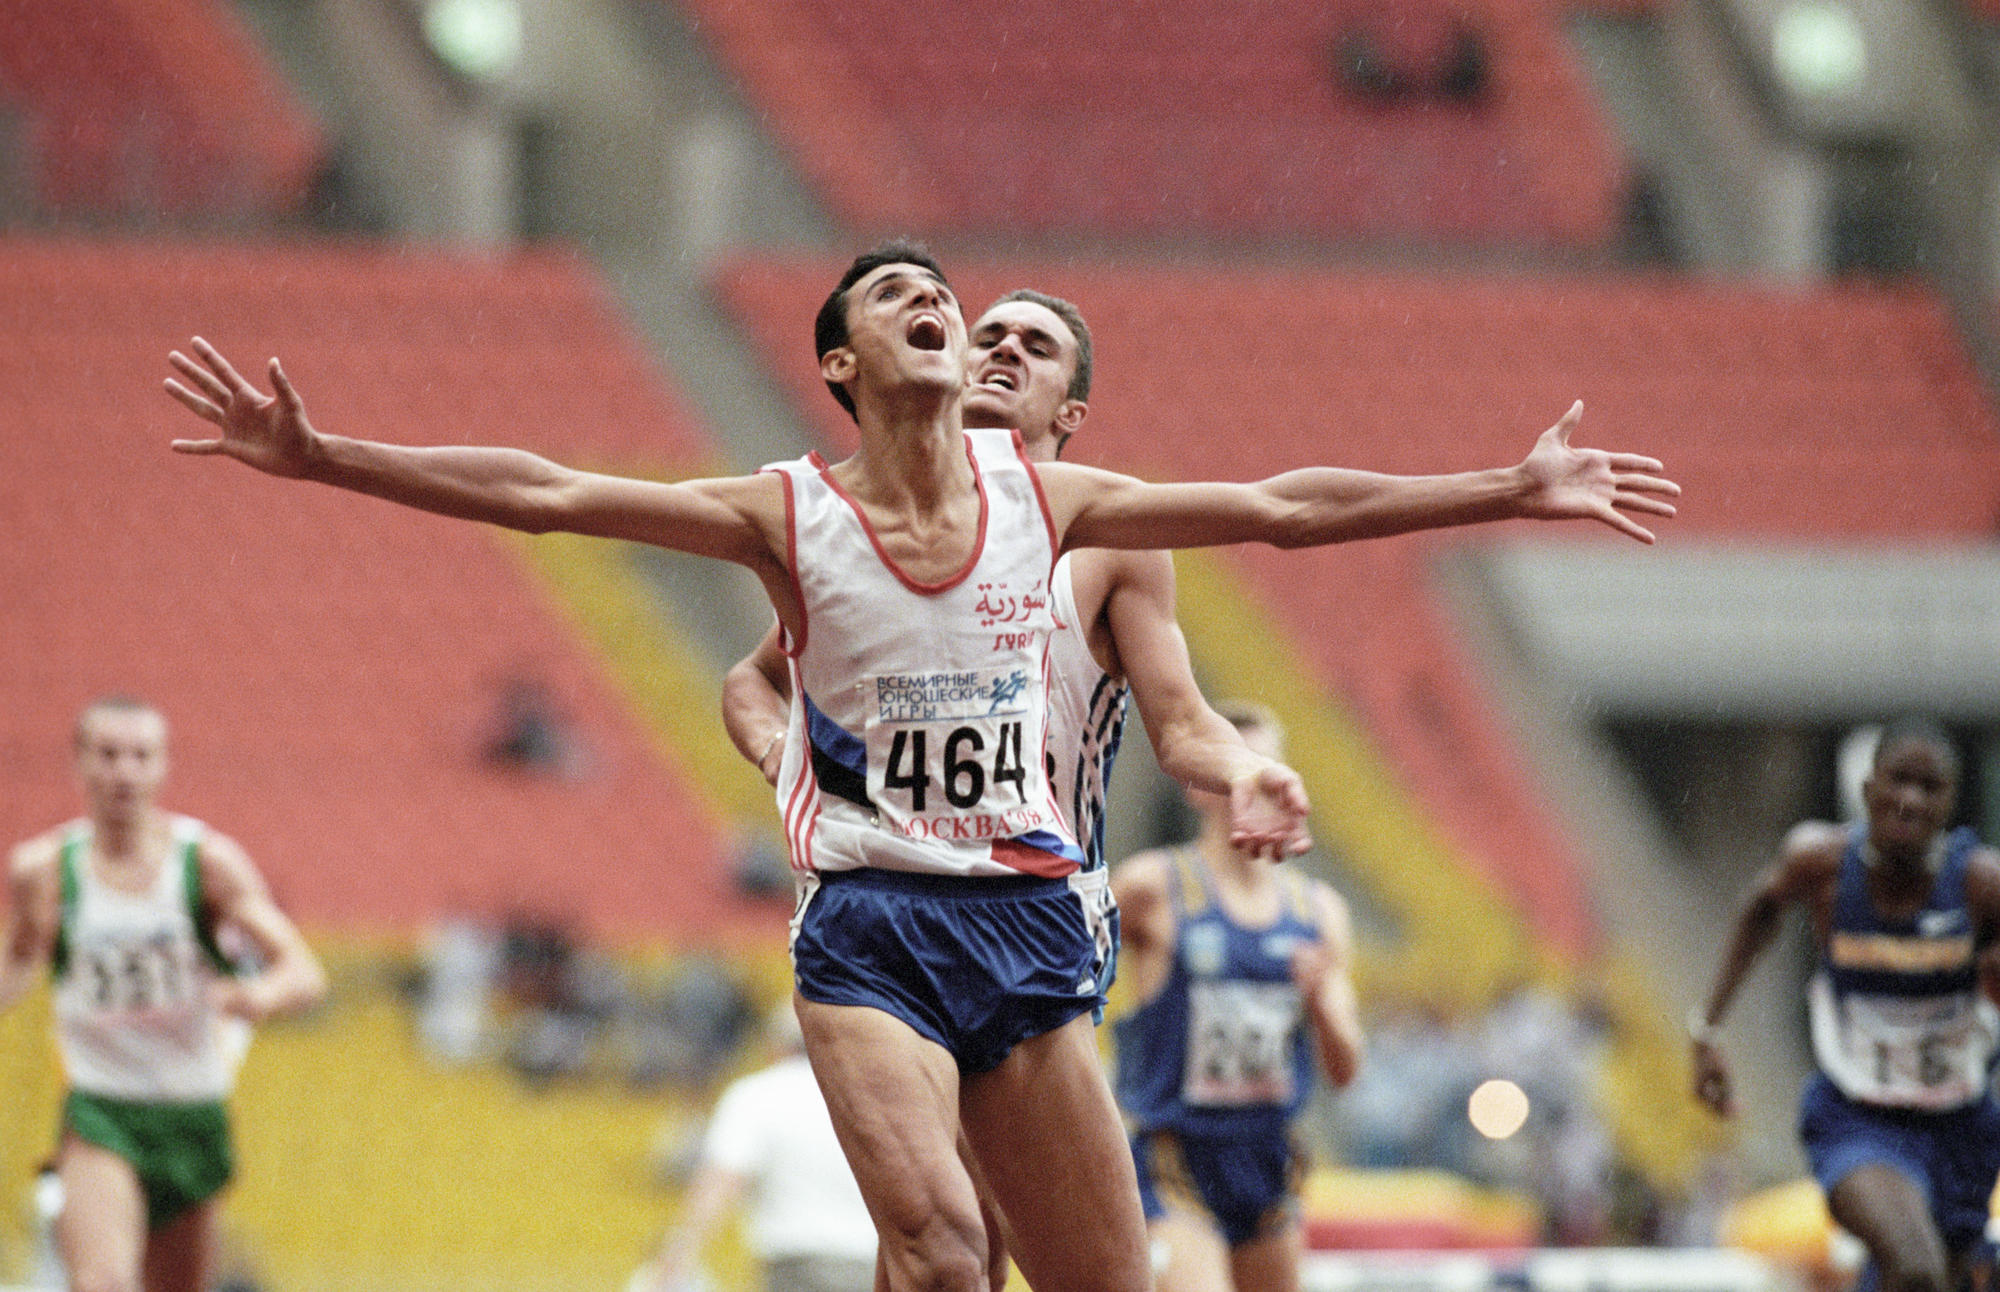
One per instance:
(1898, 1017)
(945, 753)
(1222, 1048)
(919, 729)
(1922, 1052)
(1240, 1040)
(133, 1017)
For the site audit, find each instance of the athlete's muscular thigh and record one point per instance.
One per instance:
(101, 1231)
(1268, 1262)
(1887, 1211)
(1189, 1254)
(893, 1096)
(1050, 1141)
(181, 1255)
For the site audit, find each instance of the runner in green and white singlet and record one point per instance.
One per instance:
(123, 907)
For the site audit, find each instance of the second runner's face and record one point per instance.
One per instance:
(905, 328)
(1018, 370)
(120, 761)
(1909, 794)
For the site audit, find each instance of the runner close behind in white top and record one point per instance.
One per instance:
(1086, 717)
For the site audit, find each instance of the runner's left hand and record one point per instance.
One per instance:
(1267, 813)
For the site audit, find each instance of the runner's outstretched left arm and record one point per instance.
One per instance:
(1321, 505)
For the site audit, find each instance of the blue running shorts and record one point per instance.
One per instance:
(1954, 1157)
(1245, 1183)
(977, 965)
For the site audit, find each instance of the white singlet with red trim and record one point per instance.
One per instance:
(918, 737)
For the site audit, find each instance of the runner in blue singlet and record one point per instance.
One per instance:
(1899, 1121)
(1239, 974)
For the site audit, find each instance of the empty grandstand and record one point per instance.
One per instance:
(140, 112)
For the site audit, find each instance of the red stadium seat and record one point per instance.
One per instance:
(160, 108)
(329, 663)
(1176, 117)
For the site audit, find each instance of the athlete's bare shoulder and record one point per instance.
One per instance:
(1143, 875)
(1809, 856)
(1096, 574)
(1148, 862)
(1138, 570)
(1093, 573)
(1815, 840)
(32, 872)
(1143, 886)
(1327, 898)
(758, 498)
(1982, 877)
(36, 857)
(227, 873)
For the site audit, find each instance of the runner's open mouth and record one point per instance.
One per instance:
(927, 333)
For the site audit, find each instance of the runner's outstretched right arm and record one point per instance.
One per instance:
(1320, 505)
(726, 518)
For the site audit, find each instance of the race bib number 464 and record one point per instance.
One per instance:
(956, 756)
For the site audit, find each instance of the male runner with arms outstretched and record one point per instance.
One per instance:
(1029, 370)
(910, 581)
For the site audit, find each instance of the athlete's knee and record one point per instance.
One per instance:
(935, 1269)
(1912, 1267)
(940, 1251)
(103, 1276)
